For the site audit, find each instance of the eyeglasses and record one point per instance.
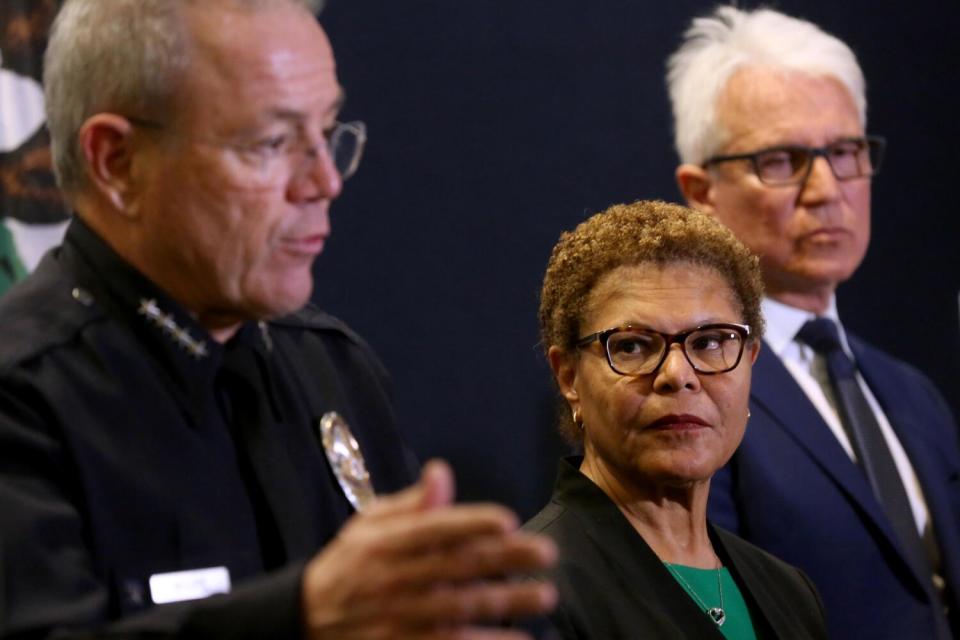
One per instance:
(633, 351)
(786, 165)
(343, 143)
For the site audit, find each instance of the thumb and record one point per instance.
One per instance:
(438, 485)
(434, 489)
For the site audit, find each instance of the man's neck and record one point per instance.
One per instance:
(220, 326)
(219, 333)
(815, 300)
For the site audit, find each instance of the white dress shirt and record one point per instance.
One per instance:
(810, 371)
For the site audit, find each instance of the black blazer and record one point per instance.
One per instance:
(613, 586)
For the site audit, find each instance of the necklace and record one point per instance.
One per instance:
(717, 614)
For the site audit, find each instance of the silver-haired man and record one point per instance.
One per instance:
(184, 450)
(850, 468)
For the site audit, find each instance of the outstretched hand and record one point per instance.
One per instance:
(414, 565)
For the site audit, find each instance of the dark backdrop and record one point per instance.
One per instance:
(495, 124)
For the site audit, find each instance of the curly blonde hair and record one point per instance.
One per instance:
(646, 231)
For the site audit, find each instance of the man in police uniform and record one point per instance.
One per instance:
(171, 426)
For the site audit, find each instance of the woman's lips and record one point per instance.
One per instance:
(679, 422)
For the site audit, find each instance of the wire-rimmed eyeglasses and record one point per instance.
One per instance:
(786, 165)
(637, 351)
(343, 143)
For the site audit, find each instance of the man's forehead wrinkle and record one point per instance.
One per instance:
(761, 104)
(299, 115)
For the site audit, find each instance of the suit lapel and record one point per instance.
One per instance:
(921, 444)
(906, 420)
(775, 392)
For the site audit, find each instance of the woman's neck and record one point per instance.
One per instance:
(671, 518)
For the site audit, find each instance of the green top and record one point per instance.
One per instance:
(701, 585)
(11, 268)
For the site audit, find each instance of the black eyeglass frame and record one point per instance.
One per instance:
(879, 143)
(669, 339)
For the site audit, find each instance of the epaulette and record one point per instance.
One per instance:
(42, 312)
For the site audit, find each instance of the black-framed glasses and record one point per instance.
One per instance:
(637, 351)
(787, 165)
(343, 142)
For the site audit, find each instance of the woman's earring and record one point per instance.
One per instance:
(748, 414)
(577, 420)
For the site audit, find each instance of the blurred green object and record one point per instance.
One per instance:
(11, 268)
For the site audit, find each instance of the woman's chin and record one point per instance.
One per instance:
(680, 471)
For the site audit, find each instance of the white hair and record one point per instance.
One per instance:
(123, 56)
(717, 46)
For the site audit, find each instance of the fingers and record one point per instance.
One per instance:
(443, 527)
(453, 605)
(464, 633)
(454, 633)
(484, 634)
(433, 525)
(474, 633)
(414, 564)
(479, 559)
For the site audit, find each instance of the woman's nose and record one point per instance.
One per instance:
(676, 373)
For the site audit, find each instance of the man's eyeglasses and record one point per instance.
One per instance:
(343, 143)
(633, 351)
(785, 165)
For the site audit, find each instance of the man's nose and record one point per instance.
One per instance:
(317, 177)
(821, 184)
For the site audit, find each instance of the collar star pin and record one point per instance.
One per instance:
(165, 322)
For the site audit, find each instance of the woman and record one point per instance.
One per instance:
(650, 315)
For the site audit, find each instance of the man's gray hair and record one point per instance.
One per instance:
(717, 46)
(120, 56)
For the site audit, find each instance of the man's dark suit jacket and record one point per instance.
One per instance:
(792, 489)
(117, 463)
(612, 586)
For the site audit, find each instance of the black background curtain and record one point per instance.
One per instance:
(495, 124)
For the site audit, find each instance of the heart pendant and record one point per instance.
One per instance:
(717, 615)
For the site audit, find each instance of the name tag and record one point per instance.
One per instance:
(178, 586)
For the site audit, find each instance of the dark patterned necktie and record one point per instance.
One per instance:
(866, 437)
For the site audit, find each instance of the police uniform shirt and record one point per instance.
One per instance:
(133, 446)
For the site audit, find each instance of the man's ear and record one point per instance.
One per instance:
(106, 141)
(564, 367)
(753, 348)
(696, 185)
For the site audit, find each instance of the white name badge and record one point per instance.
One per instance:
(194, 584)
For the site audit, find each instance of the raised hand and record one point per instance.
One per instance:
(414, 565)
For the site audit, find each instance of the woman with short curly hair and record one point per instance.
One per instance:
(650, 318)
